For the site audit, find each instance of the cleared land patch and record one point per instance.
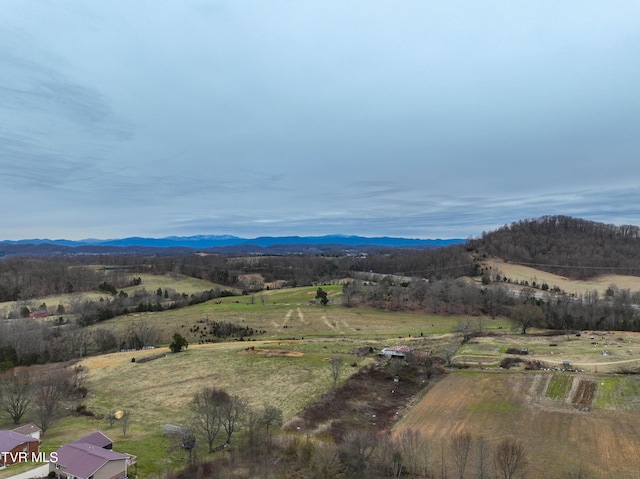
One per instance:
(584, 394)
(559, 439)
(271, 352)
(517, 273)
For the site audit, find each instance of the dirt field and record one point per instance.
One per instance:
(271, 352)
(559, 438)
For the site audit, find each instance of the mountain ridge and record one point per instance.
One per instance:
(223, 243)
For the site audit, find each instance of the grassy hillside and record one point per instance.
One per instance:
(289, 313)
(149, 282)
(517, 273)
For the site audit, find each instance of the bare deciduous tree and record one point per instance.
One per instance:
(527, 315)
(206, 407)
(465, 327)
(325, 461)
(271, 417)
(49, 390)
(77, 340)
(509, 458)
(357, 449)
(16, 394)
(231, 415)
(104, 340)
(335, 367)
(407, 454)
(125, 421)
(146, 332)
(482, 458)
(461, 449)
(110, 417)
(80, 374)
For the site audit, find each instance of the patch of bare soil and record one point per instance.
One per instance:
(271, 352)
(146, 359)
(370, 398)
(584, 394)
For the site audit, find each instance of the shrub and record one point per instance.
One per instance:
(178, 343)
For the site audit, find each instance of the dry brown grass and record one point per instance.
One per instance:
(558, 437)
(594, 351)
(159, 391)
(516, 273)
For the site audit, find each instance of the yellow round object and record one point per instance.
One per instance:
(118, 415)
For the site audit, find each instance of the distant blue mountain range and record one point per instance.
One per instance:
(208, 241)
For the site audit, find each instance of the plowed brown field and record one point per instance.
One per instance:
(559, 438)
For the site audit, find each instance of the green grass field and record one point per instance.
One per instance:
(559, 386)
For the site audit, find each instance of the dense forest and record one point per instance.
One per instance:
(568, 246)
(24, 277)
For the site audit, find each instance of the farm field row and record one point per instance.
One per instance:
(559, 438)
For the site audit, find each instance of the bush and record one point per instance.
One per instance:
(507, 363)
(178, 343)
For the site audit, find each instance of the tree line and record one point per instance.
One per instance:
(361, 453)
(25, 278)
(572, 247)
(617, 309)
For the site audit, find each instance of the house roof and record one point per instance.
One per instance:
(9, 440)
(95, 439)
(27, 429)
(84, 460)
(399, 349)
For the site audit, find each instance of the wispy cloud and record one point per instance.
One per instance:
(242, 118)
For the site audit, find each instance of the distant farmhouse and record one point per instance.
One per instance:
(396, 351)
(38, 314)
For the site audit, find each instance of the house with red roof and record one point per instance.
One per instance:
(16, 447)
(90, 457)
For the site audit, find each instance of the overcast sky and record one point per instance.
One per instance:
(399, 118)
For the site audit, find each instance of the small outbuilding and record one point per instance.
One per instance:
(96, 439)
(396, 351)
(29, 429)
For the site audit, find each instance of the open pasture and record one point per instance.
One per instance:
(149, 282)
(558, 437)
(290, 313)
(284, 374)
